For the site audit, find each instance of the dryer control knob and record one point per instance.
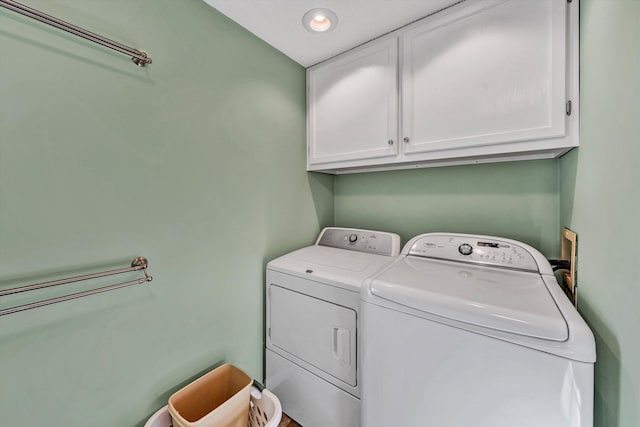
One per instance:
(465, 249)
(353, 238)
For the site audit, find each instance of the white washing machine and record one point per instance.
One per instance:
(466, 330)
(312, 321)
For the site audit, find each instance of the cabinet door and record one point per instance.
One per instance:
(352, 105)
(484, 72)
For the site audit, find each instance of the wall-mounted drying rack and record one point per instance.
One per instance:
(139, 263)
(138, 57)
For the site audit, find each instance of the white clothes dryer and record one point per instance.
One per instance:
(312, 321)
(467, 330)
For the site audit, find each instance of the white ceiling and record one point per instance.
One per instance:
(279, 22)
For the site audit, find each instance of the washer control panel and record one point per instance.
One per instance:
(353, 239)
(475, 250)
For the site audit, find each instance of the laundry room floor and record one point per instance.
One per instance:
(288, 422)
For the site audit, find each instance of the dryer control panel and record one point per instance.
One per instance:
(474, 250)
(353, 239)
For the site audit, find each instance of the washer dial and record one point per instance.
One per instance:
(465, 249)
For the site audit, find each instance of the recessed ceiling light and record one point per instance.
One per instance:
(319, 20)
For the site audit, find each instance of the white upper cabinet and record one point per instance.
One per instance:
(353, 106)
(484, 80)
(490, 73)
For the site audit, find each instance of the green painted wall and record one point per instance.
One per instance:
(196, 162)
(600, 190)
(518, 200)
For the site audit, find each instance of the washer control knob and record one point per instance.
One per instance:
(465, 249)
(353, 238)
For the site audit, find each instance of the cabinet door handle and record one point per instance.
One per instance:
(406, 139)
(390, 142)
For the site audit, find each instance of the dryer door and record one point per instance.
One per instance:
(315, 331)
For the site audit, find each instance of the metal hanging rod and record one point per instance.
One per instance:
(139, 263)
(138, 57)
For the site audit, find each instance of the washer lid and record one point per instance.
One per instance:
(511, 301)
